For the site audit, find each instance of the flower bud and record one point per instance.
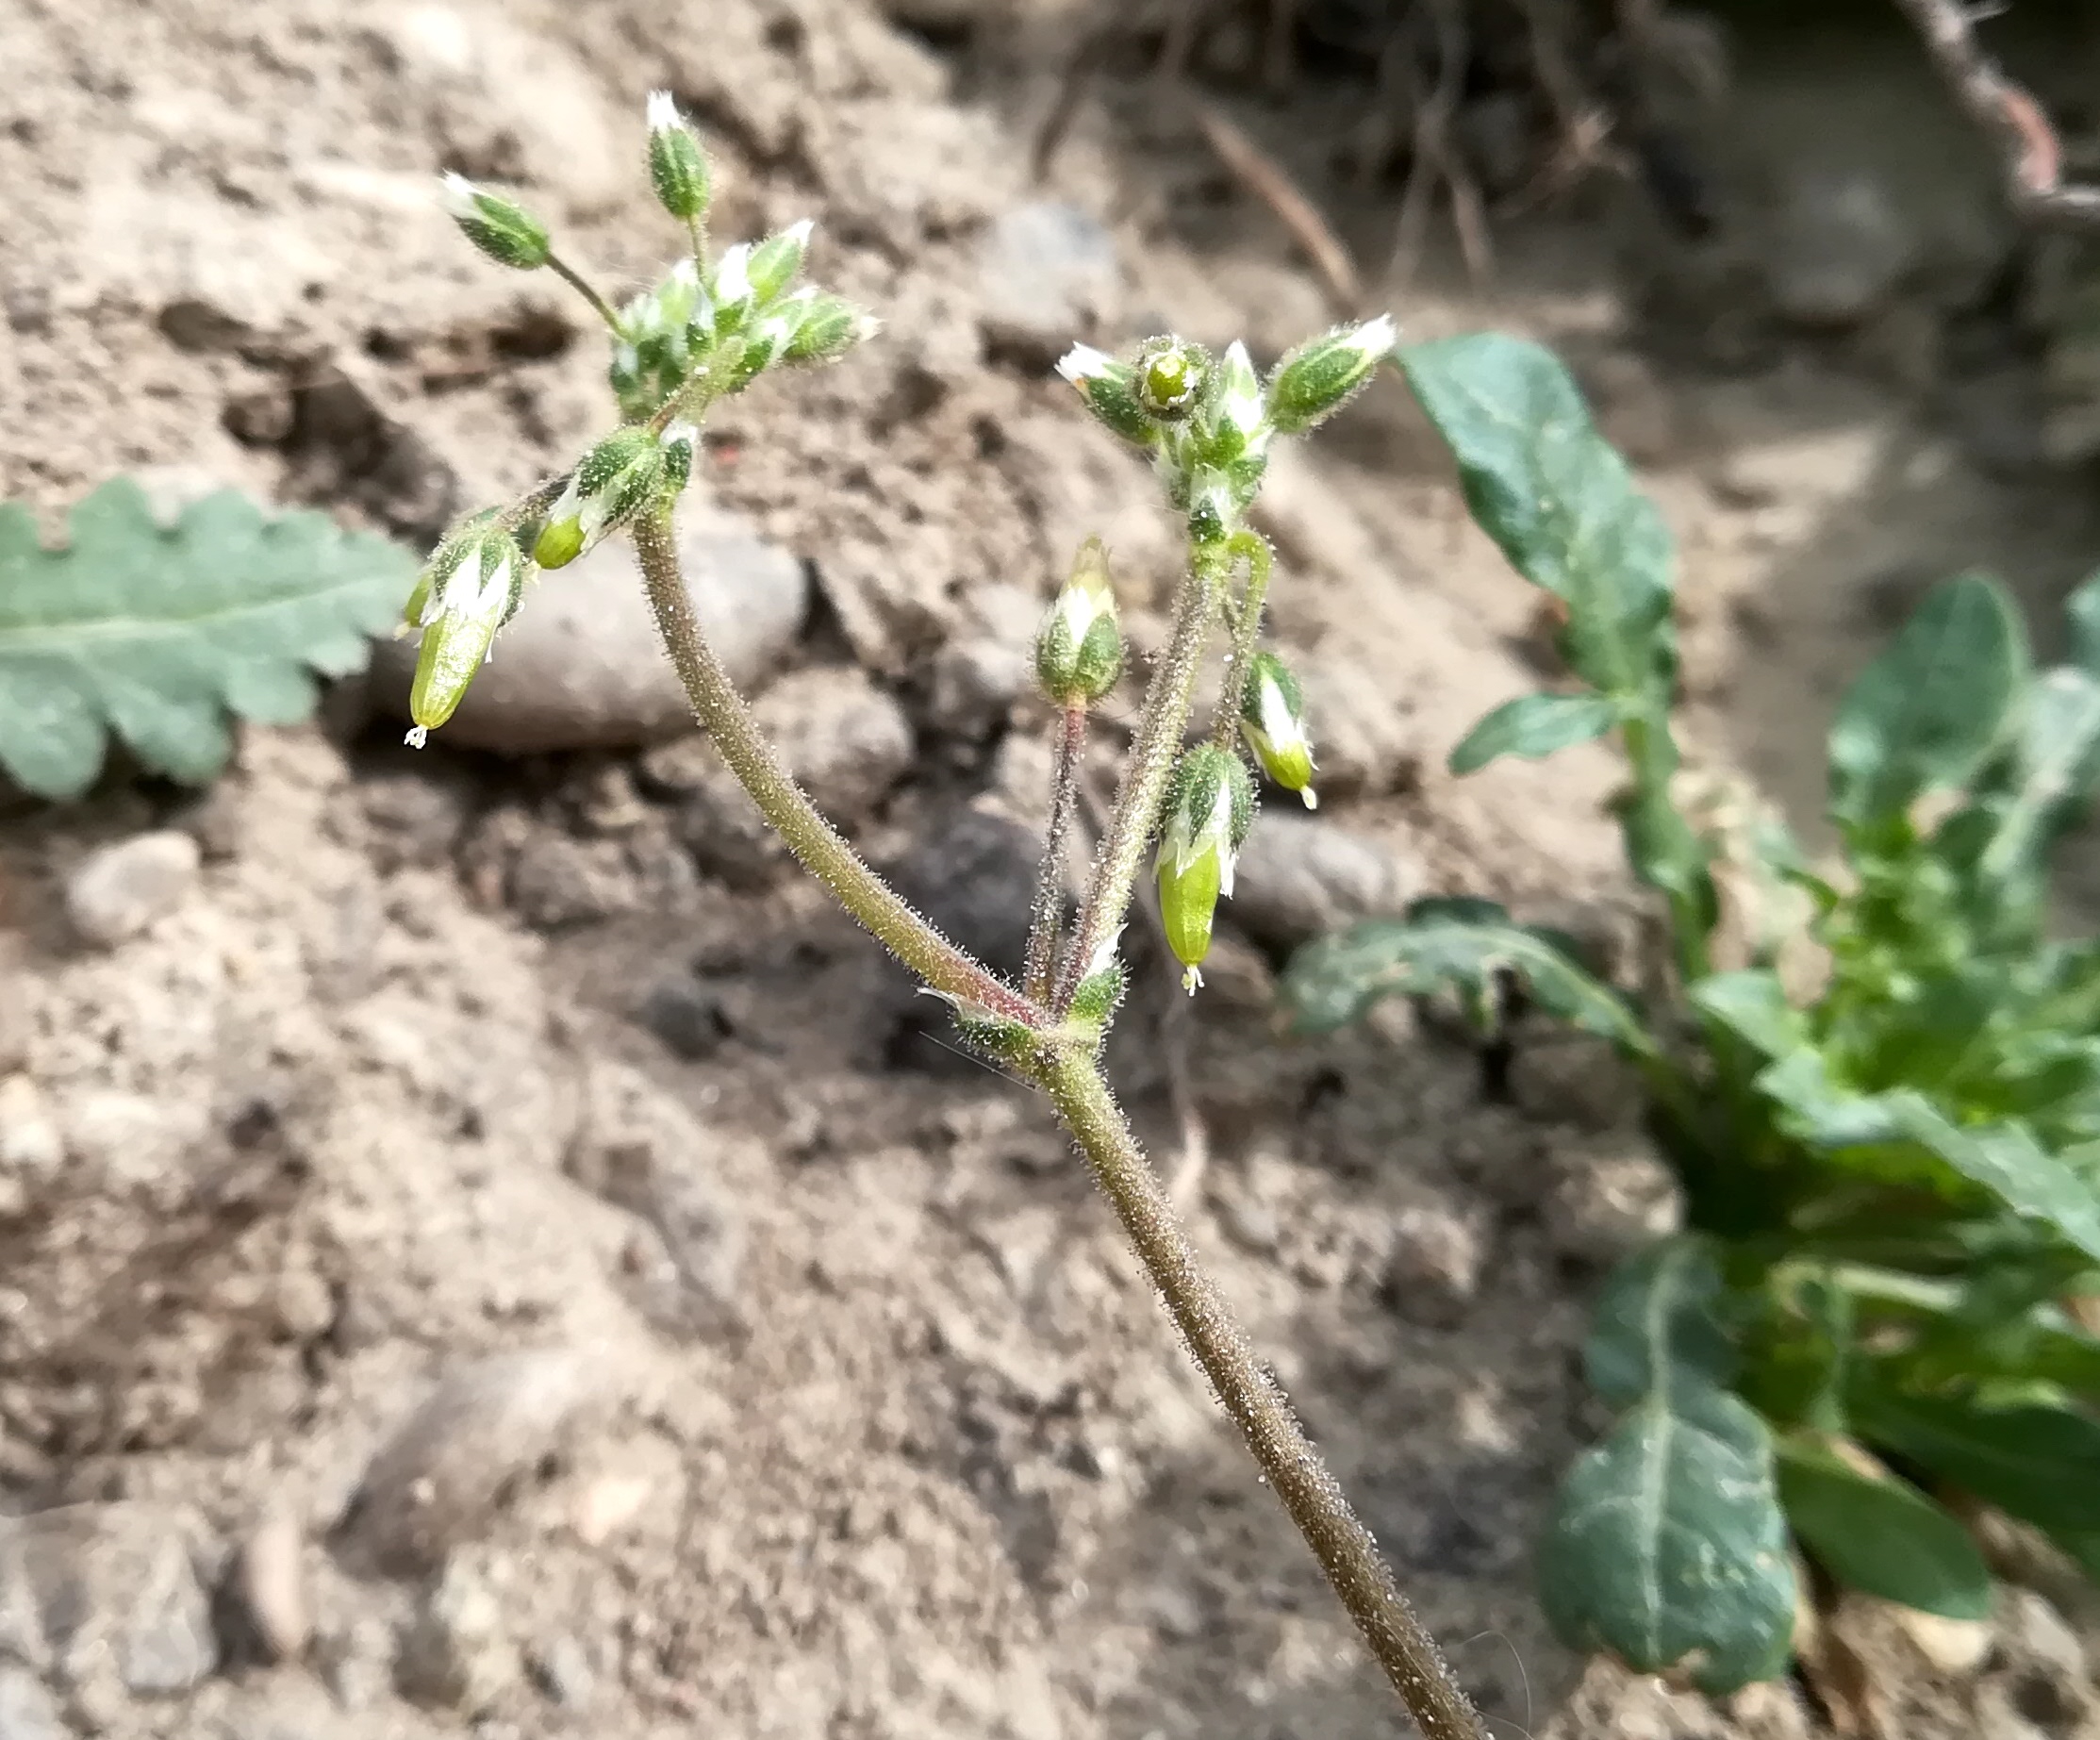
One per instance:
(469, 591)
(677, 165)
(829, 328)
(1236, 416)
(1209, 805)
(1169, 378)
(501, 228)
(1100, 990)
(1214, 505)
(776, 260)
(1322, 374)
(1079, 649)
(731, 287)
(1272, 719)
(1110, 389)
(615, 480)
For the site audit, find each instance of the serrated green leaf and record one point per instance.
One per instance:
(1884, 1536)
(1752, 1004)
(1559, 501)
(1925, 713)
(1534, 726)
(158, 635)
(1332, 981)
(2039, 1463)
(1659, 1321)
(1667, 1546)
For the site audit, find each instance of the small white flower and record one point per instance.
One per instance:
(1374, 338)
(1083, 362)
(663, 112)
(458, 194)
(1241, 404)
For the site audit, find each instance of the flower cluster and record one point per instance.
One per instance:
(1209, 421)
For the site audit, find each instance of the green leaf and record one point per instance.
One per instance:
(1667, 1547)
(1559, 501)
(1884, 1536)
(2058, 759)
(2083, 610)
(1927, 713)
(1752, 1005)
(2006, 1161)
(1534, 726)
(1820, 1112)
(1332, 981)
(1658, 1319)
(2036, 1462)
(159, 634)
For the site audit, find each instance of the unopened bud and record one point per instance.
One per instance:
(1272, 719)
(1214, 505)
(677, 165)
(1100, 989)
(615, 480)
(1079, 649)
(776, 261)
(1210, 806)
(1322, 374)
(1110, 389)
(501, 228)
(470, 590)
(830, 328)
(731, 286)
(1169, 378)
(1236, 419)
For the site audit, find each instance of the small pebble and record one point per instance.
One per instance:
(120, 890)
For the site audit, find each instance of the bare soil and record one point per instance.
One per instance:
(790, 1380)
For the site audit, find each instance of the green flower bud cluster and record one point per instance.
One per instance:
(469, 589)
(1209, 421)
(1210, 806)
(1272, 722)
(630, 469)
(1079, 649)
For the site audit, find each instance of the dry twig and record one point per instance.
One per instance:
(1298, 215)
(2028, 144)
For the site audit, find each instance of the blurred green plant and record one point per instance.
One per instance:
(160, 633)
(1883, 1293)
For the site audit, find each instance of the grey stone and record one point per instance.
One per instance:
(1434, 1274)
(717, 821)
(412, 820)
(104, 1600)
(1048, 275)
(269, 1587)
(976, 682)
(582, 665)
(26, 1711)
(118, 891)
(844, 739)
(1299, 878)
(1606, 1206)
(455, 1654)
(556, 881)
(686, 1017)
(563, 1671)
(439, 1481)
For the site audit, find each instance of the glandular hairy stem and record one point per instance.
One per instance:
(583, 288)
(1245, 624)
(1068, 748)
(1135, 818)
(1345, 1551)
(823, 852)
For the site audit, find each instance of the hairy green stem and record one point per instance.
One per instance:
(1652, 754)
(1157, 744)
(823, 852)
(1246, 625)
(1345, 1547)
(1068, 745)
(582, 287)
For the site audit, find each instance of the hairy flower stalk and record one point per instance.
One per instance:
(709, 329)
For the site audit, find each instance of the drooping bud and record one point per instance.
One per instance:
(677, 165)
(1272, 719)
(829, 328)
(1236, 418)
(776, 261)
(1210, 806)
(615, 480)
(1100, 989)
(1110, 389)
(1322, 374)
(1170, 376)
(469, 591)
(500, 228)
(1079, 649)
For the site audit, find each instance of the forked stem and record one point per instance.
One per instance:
(823, 852)
(1245, 620)
(1348, 1553)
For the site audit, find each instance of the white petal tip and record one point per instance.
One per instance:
(663, 111)
(801, 230)
(456, 193)
(1375, 337)
(1191, 981)
(1083, 362)
(1311, 797)
(417, 735)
